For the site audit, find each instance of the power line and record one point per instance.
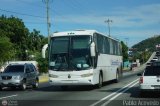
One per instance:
(25, 2)
(35, 22)
(52, 10)
(21, 13)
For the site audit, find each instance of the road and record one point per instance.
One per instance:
(124, 93)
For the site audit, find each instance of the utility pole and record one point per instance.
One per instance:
(48, 18)
(108, 22)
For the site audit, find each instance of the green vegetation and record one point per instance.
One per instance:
(124, 51)
(6, 49)
(17, 43)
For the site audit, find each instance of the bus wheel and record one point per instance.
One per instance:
(117, 78)
(100, 81)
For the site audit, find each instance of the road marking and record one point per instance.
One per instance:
(106, 103)
(113, 93)
(7, 96)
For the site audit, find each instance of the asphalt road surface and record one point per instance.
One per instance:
(124, 93)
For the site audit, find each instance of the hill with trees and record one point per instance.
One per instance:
(148, 44)
(145, 48)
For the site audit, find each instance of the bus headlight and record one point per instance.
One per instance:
(87, 75)
(53, 76)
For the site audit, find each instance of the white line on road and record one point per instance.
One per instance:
(7, 96)
(118, 94)
(113, 93)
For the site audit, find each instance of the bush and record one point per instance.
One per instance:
(42, 65)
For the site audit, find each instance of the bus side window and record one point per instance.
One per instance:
(111, 46)
(100, 43)
(106, 45)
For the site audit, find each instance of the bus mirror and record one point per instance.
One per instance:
(93, 49)
(44, 50)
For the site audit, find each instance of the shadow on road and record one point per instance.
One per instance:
(149, 95)
(69, 88)
(10, 89)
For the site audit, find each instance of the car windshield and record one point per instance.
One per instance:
(152, 71)
(14, 68)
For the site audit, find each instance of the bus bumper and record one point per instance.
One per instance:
(84, 81)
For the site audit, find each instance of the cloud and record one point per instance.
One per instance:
(139, 22)
(143, 15)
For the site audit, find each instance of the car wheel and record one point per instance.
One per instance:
(100, 81)
(24, 85)
(36, 84)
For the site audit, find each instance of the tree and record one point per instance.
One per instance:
(35, 40)
(17, 42)
(124, 51)
(6, 50)
(15, 30)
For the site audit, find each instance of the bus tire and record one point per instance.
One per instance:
(100, 83)
(117, 77)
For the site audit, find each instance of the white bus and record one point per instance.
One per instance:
(83, 57)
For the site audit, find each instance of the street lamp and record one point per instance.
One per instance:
(108, 22)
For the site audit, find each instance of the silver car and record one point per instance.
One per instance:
(19, 75)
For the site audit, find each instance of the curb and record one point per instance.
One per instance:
(43, 78)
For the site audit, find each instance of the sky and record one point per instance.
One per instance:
(132, 20)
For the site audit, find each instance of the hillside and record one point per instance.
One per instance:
(148, 44)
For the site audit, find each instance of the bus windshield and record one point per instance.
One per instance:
(70, 53)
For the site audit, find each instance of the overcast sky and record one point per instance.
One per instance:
(133, 20)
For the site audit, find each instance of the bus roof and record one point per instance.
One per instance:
(74, 32)
(79, 32)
